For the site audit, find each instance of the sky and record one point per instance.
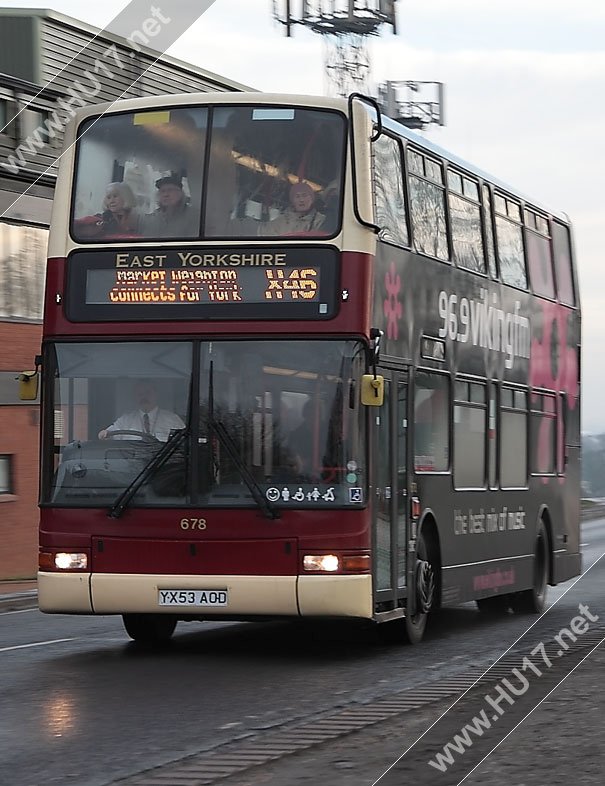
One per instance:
(524, 94)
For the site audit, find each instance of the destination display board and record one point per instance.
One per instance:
(190, 284)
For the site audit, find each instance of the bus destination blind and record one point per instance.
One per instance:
(297, 284)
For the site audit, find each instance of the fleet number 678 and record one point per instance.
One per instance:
(193, 523)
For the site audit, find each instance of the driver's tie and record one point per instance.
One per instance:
(146, 428)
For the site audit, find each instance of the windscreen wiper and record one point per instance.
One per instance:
(160, 458)
(227, 442)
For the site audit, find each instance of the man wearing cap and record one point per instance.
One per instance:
(174, 217)
(302, 215)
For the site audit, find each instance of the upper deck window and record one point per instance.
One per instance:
(389, 196)
(139, 175)
(539, 254)
(274, 171)
(465, 221)
(271, 171)
(509, 242)
(563, 264)
(427, 197)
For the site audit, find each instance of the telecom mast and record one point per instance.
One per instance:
(345, 26)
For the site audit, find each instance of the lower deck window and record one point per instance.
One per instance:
(513, 438)
(469, 435)
(431, 423)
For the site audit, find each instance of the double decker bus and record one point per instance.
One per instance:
(336, 374)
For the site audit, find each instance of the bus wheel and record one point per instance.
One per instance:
(533, 601)
(149, 628)
(415, 624)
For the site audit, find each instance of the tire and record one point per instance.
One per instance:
(497, 604)
(533, 601)
(149, 629)
(410, 629)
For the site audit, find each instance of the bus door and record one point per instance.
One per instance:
(390, 483)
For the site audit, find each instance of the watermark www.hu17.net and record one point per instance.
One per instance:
(509, 690)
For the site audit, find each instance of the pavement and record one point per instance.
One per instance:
(556, 743)
(16, 595)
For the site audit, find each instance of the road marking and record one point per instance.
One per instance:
(17, 611)
(34, 644)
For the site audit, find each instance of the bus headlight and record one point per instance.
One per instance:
(63, 560)
(67, 561)
(327, 563)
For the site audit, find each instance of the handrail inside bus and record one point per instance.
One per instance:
(373, 103)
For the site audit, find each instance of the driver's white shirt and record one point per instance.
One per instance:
(161, 423)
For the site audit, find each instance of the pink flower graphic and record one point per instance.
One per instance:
(554, 365)
(392, 308)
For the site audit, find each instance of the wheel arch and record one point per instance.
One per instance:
(427, 527)
(545, 517)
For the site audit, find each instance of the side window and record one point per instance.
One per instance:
(489, 232)
(492, 435)
(22, 268)
(539, 255)
(562, 247)
(469, 434)
(465, 222)
(561, 432)
(427, 197)
(509, 242)
(431, 423)
(3, 114)
(513, 438)
(543, 433)
(389, 197)
(6, 474)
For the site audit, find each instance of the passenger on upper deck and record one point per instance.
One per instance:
(174, 216)
(118, 219)
(302, 216)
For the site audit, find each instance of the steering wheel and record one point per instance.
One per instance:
(133, 433)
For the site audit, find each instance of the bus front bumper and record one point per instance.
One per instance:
(246, 596)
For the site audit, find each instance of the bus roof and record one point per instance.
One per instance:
(341, 104)
(415, 138)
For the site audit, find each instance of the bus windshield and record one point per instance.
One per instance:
(199, 173)
(290, 410)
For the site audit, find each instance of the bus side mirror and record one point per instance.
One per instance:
(372, 390)
(28, 385)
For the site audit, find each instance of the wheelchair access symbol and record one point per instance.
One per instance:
(356, 495)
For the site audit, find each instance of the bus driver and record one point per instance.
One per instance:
(147, 418)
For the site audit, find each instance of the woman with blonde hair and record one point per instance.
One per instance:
(118, 220)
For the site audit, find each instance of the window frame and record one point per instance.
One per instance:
(388, 238)
(530, 228)
(515, 408)
(411, 150)
(470, 403)
(536, 418)
(448, 428)
(511, 205)
(8, 459)
(475, 202)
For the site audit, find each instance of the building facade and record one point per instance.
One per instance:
(49, 65)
